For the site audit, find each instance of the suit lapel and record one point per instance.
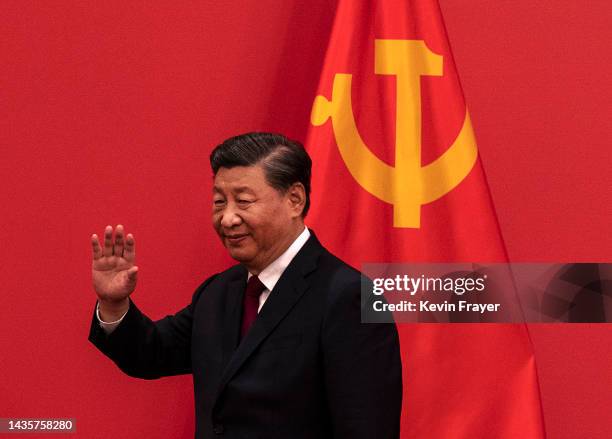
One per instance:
(290, 287)
(233, 314)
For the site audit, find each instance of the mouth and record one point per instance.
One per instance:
(236, 238)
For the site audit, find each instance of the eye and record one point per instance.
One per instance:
(219, 202)
(244, 202)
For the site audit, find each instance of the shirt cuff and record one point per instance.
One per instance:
(108, 327)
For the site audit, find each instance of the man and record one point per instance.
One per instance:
(275, 343)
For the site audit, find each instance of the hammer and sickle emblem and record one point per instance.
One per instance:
(408, 185)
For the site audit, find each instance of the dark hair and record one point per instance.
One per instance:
(284, 161)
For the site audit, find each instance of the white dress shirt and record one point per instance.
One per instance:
(269, 276)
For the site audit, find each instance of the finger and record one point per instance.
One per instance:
(108, 241)
(95, 244)
(129, 252)
(118, 247)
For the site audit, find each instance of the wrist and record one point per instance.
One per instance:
(110, 311)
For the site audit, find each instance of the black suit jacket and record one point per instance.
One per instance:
(308, 368)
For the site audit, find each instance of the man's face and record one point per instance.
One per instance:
(255, 222)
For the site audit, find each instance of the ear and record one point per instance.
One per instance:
(296, 196)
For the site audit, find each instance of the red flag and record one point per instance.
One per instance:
(397, 178)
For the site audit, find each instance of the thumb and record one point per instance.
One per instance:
(132, 273)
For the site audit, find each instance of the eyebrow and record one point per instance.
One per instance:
(238, 189)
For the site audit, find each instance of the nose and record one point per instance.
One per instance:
(230, 217)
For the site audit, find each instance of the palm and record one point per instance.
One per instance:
(110, 277)
(113, 269)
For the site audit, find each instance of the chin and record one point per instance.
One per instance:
(240, 255)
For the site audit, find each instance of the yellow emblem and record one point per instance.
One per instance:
(408, 185)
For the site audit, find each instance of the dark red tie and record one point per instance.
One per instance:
(250, 303)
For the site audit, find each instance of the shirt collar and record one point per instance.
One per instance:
(270, 275)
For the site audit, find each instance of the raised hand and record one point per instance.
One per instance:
(114, 274)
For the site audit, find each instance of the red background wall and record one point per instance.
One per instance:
(109, 111)
(535, 76)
